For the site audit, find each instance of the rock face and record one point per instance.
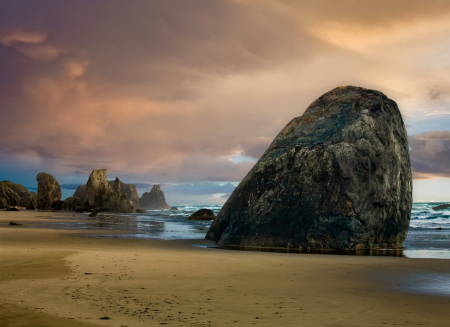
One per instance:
(71, 203)
(130, 190)
(102, 196)
(338, 177)
(202, 214)
(155, 200)
(96, 188)
(27, 198)
(442, 206)
(7, 196)
(48, 191)
(81, 193)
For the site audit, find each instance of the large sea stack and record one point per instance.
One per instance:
(48, 191)
(155, 200)
(338, 177)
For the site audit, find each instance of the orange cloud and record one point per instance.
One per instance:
(28, 37)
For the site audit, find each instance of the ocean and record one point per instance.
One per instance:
(428, 235)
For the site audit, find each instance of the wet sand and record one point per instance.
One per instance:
(52, 277)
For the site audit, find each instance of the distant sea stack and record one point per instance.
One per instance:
(155, 200)
(338, 177)
(102, 196)
(129, 189)
(49, 191)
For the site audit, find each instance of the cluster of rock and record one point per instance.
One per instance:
(14, 195)
(98, 181)
(338, 177)
(155, 199)
(98, 194)
(104, 197)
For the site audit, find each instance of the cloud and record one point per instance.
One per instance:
(39, 52)
(430, 154)
(436, 92)
(27, 37)
(170, 92)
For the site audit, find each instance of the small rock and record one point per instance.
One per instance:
(94, 214)
(173, 208)
(442, 206)
(12, 209)
(202, 214)
(14, 224)
(141, 211)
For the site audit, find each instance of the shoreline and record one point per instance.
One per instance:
(67, 274)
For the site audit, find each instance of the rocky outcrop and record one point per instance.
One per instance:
(115, 201)
(130, 190)
(7, 196)
(442, 206)
(202, 214)
(71, 203)
(173, 209)
(140, 210)
(81, 193)
(27, 198)
(104, 197)
(96, 188)
(48, 191)
(155, 200)
(338, 177)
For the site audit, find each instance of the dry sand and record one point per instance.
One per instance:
(64, 278)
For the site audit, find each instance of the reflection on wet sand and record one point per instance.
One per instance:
(375, 252)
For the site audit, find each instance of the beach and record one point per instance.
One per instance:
(51, 277)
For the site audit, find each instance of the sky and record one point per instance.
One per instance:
(189, 94)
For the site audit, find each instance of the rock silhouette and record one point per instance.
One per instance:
(155, 200)
(338, 177)
(48, 191)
